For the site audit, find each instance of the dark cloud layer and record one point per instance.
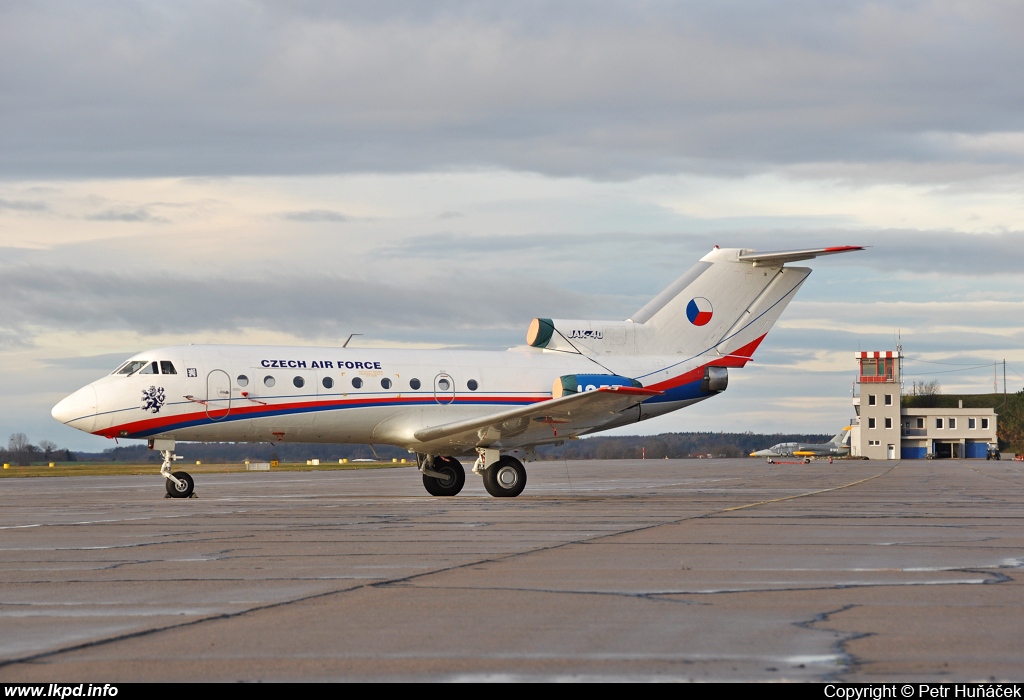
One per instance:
(430, 308)
(315, 216)
(601, 89)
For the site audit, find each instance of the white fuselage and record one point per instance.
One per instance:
(344, 395)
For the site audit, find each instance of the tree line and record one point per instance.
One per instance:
(671, 445)
(22, 453)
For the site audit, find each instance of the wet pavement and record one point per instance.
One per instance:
(601, 570)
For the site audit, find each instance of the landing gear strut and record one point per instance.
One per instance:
(442, 476)
(179, 484)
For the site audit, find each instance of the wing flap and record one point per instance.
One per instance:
(567, 416)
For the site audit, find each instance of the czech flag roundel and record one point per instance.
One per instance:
(699, 311)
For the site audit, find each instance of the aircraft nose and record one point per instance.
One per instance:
(78, 410)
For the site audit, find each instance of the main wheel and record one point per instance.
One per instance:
(455, 477)
(506, 478)
(184, 490)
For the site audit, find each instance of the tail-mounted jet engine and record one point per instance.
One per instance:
(716, 380)
(578, 383)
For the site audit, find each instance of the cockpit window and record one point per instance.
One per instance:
(167, 367)
(132, 366)
(151, 369)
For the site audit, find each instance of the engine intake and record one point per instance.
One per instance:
(578, 383)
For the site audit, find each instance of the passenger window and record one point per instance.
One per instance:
(299, 382)
(472, 385)
(167, 367)
(357, 382)
(151, 369)
(269, 381)
(242, 380)
(328, 383)
(443, 384)
(414, 383)
(385, 383)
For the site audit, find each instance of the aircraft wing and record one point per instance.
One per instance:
(539, 422)
(780, 257)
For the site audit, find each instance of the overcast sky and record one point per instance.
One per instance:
(437, 174)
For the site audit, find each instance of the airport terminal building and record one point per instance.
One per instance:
(882, 429)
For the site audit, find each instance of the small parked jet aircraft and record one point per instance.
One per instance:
(572, 378)
(838, 446)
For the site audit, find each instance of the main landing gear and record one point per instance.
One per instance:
(179, 484)
(442, 476)
(504, 476)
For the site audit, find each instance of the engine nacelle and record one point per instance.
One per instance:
(587, 337)
(716, 379)
(578, 383)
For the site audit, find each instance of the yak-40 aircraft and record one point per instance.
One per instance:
(572, 378)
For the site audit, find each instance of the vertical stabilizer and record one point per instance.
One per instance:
(724, 305)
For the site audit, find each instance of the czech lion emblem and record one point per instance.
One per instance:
(153, 399)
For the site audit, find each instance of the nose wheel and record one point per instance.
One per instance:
(182, 487)
(179, 484)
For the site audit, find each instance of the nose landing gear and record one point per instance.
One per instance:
(179, 484)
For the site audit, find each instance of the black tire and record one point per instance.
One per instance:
(188, 486)
(506, 478)
(449, 486)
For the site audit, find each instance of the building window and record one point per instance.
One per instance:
(888, 423)
(984, 423)
(920, 423)
(971, 424)
(871, 399)
(938, 424)
(952, 423)
(871, 423)
(888, 399)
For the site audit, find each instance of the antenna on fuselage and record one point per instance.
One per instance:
(350, 337)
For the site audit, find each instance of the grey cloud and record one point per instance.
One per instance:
(431, 307)
(599, 89)
(951, 253)
(23, 205)
(128, 215)
(315, 216)
(107, 361)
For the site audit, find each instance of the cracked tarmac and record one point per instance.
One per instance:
(661, 570)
